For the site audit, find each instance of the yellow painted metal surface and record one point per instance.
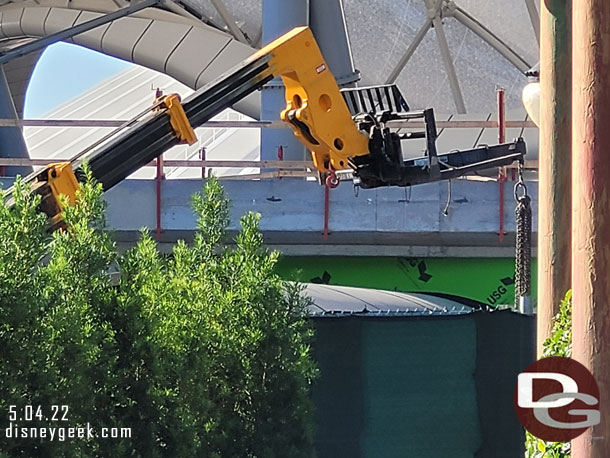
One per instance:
(178, 119)
(60, 176)
(315, 108)
(62, 180)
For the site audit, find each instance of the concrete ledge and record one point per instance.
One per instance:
(379, 222)
(390, 221)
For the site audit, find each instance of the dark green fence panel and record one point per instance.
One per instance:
(420, 387)
(506, 344)
(338, 394)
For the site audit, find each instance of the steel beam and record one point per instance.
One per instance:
(419, 36)
(555, 152)
(454, 83)
(433, 11)
(485, 34)
(177, 8)
(12, 143)
(187, 11)
(534, 17)
(590, 204)
(256, 40)
(229, 20)
(75, 30)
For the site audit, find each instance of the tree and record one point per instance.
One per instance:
(202, 353)
(558, 344)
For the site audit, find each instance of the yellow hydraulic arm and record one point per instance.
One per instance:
(315, 108)
(339, 136)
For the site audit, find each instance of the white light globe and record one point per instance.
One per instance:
(531, 101)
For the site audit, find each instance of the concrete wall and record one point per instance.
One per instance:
(385, 221)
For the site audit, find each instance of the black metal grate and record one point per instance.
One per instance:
(375, 99)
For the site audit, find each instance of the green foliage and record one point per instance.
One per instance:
(204, 353)
(560, 341)
(558, 344)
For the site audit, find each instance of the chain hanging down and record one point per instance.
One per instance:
(523, 235)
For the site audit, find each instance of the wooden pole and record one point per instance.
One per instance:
(554, 221)
(591, 211)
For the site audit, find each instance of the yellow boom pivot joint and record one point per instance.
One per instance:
(315, 108)
(54, 180)
(178, 119)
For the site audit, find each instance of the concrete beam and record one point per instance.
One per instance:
(379, 222)
(385, 220)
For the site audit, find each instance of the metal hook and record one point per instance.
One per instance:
(520, 191)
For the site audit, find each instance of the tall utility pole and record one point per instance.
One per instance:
(554, 216)
(591, 210)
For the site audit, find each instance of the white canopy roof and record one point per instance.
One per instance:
(489, 43)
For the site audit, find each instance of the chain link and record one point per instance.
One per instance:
(523, 234)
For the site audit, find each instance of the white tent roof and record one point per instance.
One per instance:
(125, 95)
(490, 42)
(380, 32)
(331, 300)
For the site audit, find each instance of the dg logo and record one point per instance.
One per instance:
(557, 399)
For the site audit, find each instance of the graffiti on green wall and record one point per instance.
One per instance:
(488, 280)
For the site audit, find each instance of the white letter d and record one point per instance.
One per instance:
(525, 389)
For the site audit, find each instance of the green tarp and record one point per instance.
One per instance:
(420, 387)
(488, 280)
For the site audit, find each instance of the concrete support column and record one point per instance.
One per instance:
(327, 21)
(279, 17)
(12, 143)
(554, 218)
(591, 210)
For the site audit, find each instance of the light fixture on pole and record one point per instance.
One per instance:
(531, 94)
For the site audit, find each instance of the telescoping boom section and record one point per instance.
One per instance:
(349, 130)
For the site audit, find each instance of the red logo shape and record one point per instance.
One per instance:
(557, 399)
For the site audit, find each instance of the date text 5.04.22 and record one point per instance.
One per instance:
(38, 413)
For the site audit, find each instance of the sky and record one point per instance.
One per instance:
(63, 72)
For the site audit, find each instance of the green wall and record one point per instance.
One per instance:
(420, 387)
(489, 280)
(403, 388)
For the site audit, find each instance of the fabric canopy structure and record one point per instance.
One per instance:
(451, 55)
(329, 300)
(422, 44)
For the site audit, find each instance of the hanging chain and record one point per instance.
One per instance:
(523, 234)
